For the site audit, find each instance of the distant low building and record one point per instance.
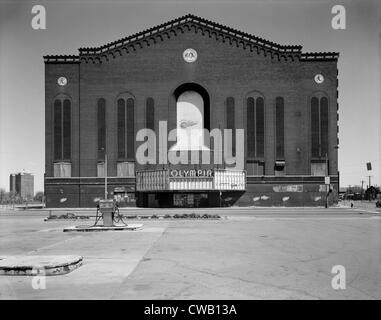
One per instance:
(22, 184)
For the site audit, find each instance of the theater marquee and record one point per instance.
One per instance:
(190, 180)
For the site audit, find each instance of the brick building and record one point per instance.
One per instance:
(285, 100)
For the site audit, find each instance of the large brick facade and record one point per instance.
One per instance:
(229, 64)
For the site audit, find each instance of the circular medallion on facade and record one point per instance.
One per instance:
(62, 81)
(319, 78)
(190, 55)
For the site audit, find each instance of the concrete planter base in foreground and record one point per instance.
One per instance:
(130, 227)
(39, 265)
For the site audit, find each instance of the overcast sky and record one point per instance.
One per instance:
(74, 24)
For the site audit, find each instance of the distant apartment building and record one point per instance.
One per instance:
(22, 184)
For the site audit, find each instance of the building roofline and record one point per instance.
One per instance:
(319, 56)
(190, 18)
(52, 59)
(198, 24)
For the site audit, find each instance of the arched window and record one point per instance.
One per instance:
(62, 129)
(126, 133)
(121, 128)
(324, 126)
(150, 114)
(319, 127)
(255, 135)
(250, 138)
(260, 126)
(101, 122)
(279, 128)
(230, 120)
(130, 130)
(58, 130)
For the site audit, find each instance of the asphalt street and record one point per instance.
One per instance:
(250, 253)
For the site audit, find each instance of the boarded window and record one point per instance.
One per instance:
(62, 169)
(101, 119)
(150, 114)
(318, 169)
(279, 114)
(230, 120)
(255, 168)
(101, 169)
(126, 169)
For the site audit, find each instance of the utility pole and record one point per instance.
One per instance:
(362, 188)
(369, 187)
(369, 180)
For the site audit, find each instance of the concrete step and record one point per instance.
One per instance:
(32, 265)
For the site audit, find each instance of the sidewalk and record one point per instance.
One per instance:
(361, 204)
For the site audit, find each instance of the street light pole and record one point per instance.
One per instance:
(105, 175)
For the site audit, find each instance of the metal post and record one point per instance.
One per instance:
(369, 181)
(327, 185)
(369, 194)
(362, 189)
(105, 176)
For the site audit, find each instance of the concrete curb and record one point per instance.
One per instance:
(39, 265)
(130, 227)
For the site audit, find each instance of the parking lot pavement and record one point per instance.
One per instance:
(275, 254)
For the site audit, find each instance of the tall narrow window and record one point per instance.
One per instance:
(62, 129)
(121, 128)
(279, 127)
(315, 124)
(260, 127)
(150, 114)
(57, 130)
(250, 128)
(324, 126)
(255, 135)
(130, 130)
(230, 120)
(66, 129)
(126, 133)
(101, 119)
(319, 127)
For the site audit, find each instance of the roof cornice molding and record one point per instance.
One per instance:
(58, 59)
(196, 24)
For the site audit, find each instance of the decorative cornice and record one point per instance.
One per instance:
(319, 56)
(196, 24)
(61, 59)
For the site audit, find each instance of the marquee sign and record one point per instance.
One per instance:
(186, 180)
(191, 173)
